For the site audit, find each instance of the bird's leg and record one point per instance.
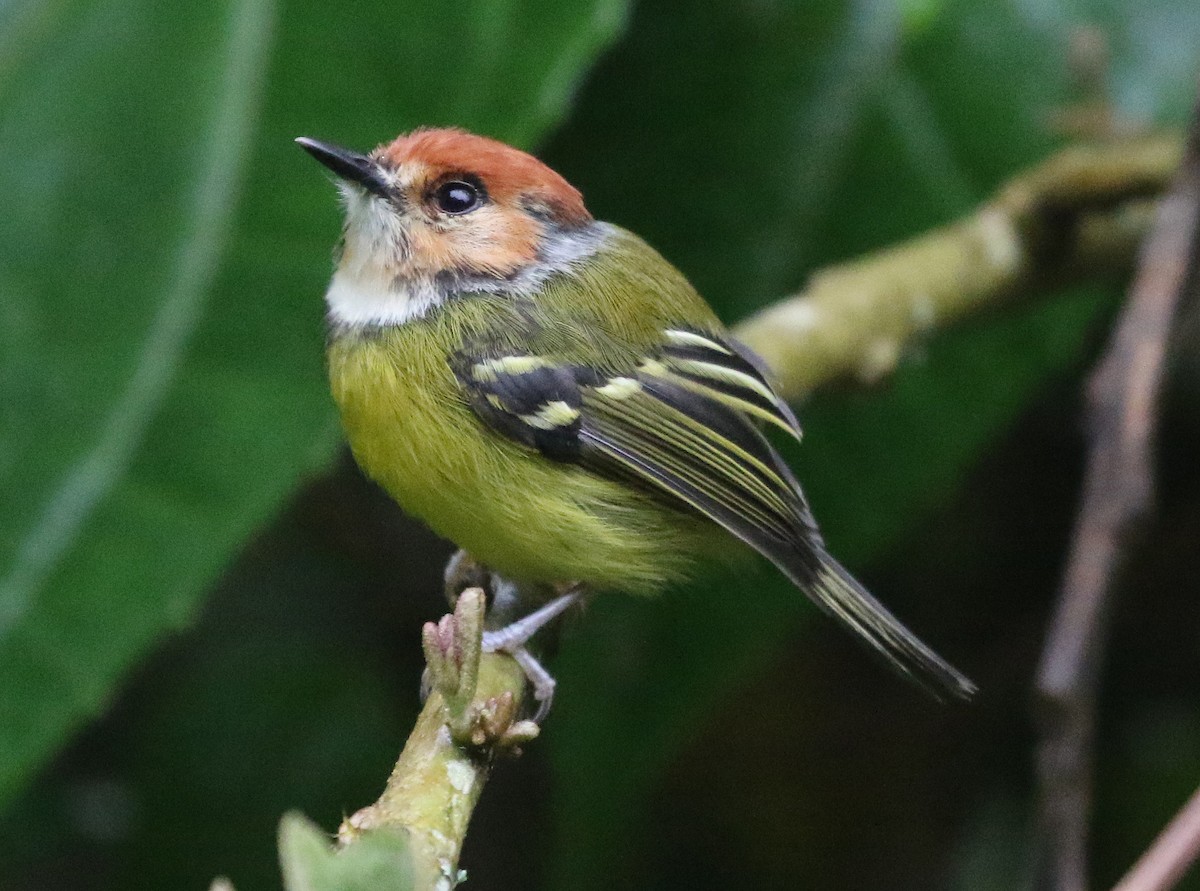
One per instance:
(512, 638)
(542, 681)
(519, 632)
(505, 600)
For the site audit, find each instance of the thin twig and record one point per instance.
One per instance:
(1175, 849)
(1117, 498)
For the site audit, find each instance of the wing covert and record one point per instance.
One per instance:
(682, 423)
(723, 369)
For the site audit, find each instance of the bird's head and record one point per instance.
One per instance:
(437, 213)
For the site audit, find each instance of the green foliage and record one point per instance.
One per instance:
(163, 251)
(161, 389)
(377, 861)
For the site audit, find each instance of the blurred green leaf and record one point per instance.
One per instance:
(820, 131)
(160, 362)
(294, 692)
(161, 349)
(377, 861)
(121, 188)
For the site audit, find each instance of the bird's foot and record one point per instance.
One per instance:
(519, 632)
(452, 651)
(513, 637)
(505, 598)
(539, 679)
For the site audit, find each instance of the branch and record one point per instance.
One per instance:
(1175, 849)
(468, 719)
(1079, 215)
(1117, 498)
(412, 836)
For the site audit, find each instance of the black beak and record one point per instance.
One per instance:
(348, 165)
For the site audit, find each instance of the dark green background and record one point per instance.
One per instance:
(207, 617)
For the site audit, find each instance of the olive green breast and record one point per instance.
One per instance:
(411, 429)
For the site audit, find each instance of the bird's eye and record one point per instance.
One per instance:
(457, 197)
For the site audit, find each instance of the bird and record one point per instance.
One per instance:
(552, 395)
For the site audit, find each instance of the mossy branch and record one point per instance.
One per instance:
(1078, 216)
(411, 838)
(468, 720)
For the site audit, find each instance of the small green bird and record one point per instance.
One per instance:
(553, 396)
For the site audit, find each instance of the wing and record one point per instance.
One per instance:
(683, 421)
(726, 371)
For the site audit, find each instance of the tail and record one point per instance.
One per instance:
(837, 592)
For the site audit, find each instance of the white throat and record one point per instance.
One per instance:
(356, 301)
(359, 297)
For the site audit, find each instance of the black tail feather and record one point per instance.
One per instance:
(839, 594)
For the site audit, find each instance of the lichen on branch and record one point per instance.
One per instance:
(469, 718)
(1076, 216)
